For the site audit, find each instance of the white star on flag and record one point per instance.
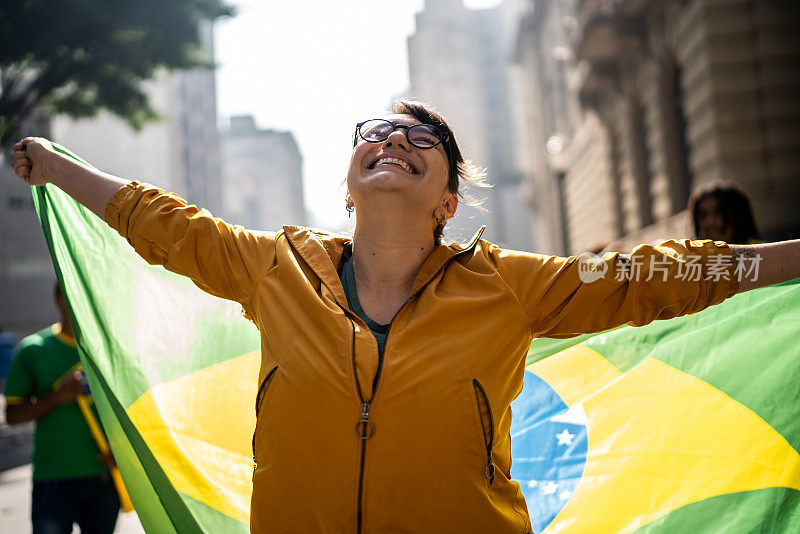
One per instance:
(549, 488)
(564, 495)
(565, 438)
(532, 483)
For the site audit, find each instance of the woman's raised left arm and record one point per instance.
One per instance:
(564, 297)
(767, 263)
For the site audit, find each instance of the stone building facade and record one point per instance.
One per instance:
(641, 101)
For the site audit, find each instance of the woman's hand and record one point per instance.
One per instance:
(33, 160)
(36, 162)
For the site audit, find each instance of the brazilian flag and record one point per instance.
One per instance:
(689, 425)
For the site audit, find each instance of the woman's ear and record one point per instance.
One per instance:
(450, 205)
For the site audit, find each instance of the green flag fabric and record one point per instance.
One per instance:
(687, 425)
(172, 369)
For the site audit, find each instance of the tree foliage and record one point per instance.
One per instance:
(79, 56)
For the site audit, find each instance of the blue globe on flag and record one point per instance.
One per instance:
(548, 445)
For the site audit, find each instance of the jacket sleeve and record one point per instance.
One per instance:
(565, 297)
(223, 259)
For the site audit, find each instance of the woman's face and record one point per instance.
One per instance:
(413, 179)
(711, 221)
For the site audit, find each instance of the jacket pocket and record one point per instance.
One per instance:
(263, 389)
(487, 427)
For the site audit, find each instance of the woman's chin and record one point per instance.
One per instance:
(390, 181)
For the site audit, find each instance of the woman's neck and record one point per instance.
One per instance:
(386, 260)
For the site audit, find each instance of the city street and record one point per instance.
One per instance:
(15, 496)
(15, 488)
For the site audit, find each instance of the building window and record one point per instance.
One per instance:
(616, 185)
(16, 202)
(675, 136)
(640, 149)
(562, 208)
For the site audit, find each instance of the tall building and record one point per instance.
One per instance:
(459, 62)
(551, 115)
(27, 299)
(262, 179)
(180, 153)
(634, 104)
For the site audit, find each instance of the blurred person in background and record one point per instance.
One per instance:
(389, 359)
(721, 211)
(71, 482)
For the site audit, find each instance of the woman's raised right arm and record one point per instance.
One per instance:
(223, 259)
(35, 161)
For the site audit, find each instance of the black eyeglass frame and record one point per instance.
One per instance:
(442, 135)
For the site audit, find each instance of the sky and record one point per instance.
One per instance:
(316, 68)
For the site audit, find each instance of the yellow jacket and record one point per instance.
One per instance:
(421, 445)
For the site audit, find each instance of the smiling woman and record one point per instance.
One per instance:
(423, 129)
(389, 360)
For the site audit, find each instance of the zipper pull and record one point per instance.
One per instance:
(365, 428)
(489, 471)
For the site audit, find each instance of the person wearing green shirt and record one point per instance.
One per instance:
(71, 482)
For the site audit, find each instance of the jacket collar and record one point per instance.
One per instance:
(439, 257)
(323, 251)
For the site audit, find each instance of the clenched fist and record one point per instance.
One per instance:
(32, 160)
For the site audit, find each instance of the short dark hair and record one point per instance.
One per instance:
(460, 170)
(734, 204)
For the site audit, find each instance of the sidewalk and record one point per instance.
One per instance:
(15, 505)
(16, 443)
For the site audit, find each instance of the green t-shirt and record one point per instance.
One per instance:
(348, 279)
(63, 446)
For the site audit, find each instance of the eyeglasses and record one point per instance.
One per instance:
(419, 135)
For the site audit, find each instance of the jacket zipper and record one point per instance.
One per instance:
(483, 400)
(262, 392)
(366, 428)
